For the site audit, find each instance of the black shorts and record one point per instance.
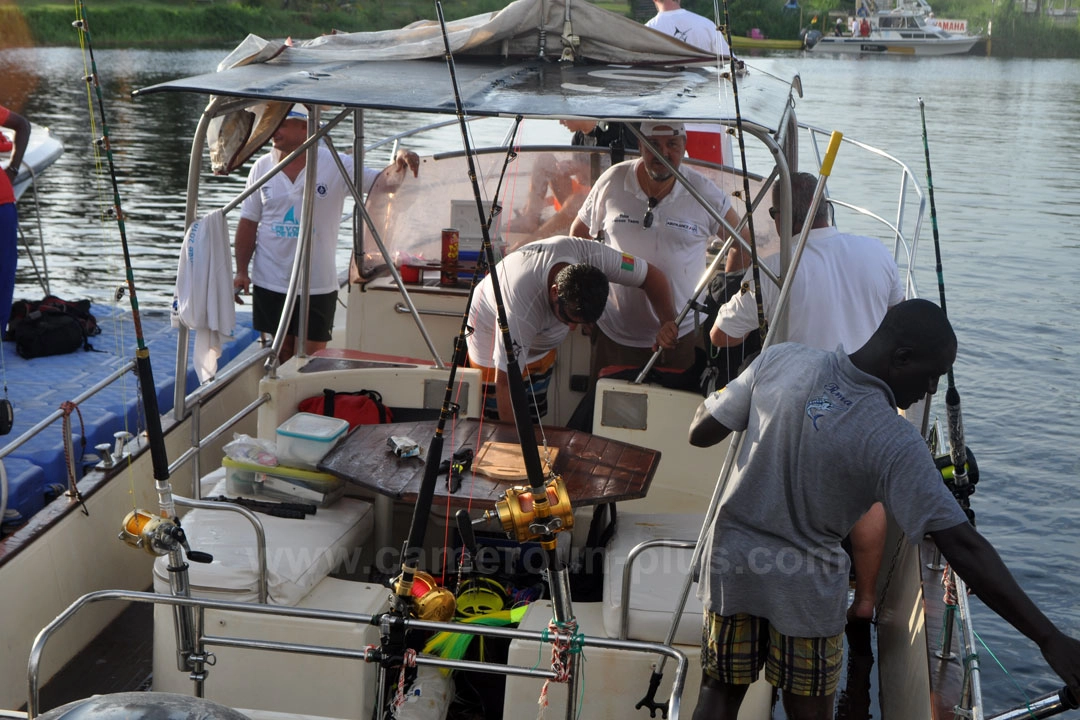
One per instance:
(266, 306)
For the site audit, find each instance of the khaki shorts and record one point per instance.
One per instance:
(734, 648)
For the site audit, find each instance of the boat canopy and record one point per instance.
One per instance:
(534, 58)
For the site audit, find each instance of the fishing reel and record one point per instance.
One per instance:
(517, 511)
(158, 536)
(429, 600)
(961, 491)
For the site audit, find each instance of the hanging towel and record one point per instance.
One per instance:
(204, 292)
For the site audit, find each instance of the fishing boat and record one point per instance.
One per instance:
(229, 628)
(907, 29)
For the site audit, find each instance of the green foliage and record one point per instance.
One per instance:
(1016, 34)
(223, 23)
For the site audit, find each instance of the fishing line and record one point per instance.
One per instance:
(155, 435)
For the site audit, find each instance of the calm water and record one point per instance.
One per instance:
(1004, 136)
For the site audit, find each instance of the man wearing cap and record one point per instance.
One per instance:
(639, 207)
(270, 226)
(548, 288)
(9, 218)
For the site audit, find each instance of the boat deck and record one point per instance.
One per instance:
(37, 469)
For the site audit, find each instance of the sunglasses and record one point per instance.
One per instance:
(772, 212)
(646, 222)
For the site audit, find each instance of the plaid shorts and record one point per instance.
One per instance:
(734, 648)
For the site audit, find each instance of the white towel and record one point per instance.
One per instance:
(204, 291)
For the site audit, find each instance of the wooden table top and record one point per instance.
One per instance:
(595, 469)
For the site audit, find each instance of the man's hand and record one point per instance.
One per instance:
(408, 159)
(667, 337)
(241, 283)
(1062, 654)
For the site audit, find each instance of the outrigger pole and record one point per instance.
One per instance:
(960, 486)
(154, 434)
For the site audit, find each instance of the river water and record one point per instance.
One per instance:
(1004, 136)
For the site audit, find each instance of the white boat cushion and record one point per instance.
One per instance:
(657, 579)
(299, 553)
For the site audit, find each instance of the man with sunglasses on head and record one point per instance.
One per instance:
(840, 292)
(548, 288)
(639, 207)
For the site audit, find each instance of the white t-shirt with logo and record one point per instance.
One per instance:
(675, 243)
(841, 290)
(692, 29)
(276, 208)
(523, 281)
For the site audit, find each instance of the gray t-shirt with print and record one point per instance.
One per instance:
(823, 442)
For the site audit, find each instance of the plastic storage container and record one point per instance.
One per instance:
(282, 483)
(304, 439)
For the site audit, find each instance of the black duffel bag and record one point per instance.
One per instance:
(51, 327)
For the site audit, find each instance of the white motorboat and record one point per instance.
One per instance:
(907, 29)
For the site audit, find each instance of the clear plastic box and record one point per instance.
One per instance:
(305, 438)
(281, 482)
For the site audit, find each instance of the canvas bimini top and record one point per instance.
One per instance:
(535, 58)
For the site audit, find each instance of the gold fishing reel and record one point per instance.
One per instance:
(157, 535)
(429, 600)
(517, 511)
(144, 530)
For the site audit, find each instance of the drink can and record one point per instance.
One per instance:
(448, 274)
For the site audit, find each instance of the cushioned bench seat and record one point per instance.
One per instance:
(299, 553)
(657, 579)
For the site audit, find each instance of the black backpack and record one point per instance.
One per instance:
(723, 364)
(51, 327)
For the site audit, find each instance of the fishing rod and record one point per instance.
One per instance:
(418, 528)
(754, 265)
(154, 432)
(735, 444)
(958, 452)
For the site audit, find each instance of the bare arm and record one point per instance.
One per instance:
(719, 338)
(658, 290)
(976, 561)
(738, 258)
(579, 229)
(705, 430)
(245, 248)
(21, 126)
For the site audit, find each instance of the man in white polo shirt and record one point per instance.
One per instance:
(548, 288)
(270, 226)
(639, 207)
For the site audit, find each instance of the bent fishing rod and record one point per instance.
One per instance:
(154, 432)
(958, 452)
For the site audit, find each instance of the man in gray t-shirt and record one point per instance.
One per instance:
(823, 442)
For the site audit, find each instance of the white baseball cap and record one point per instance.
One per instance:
(663, 128)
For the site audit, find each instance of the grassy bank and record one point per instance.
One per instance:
(209, 23)
(223, 23)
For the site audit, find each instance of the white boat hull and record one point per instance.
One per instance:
(957, 45)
